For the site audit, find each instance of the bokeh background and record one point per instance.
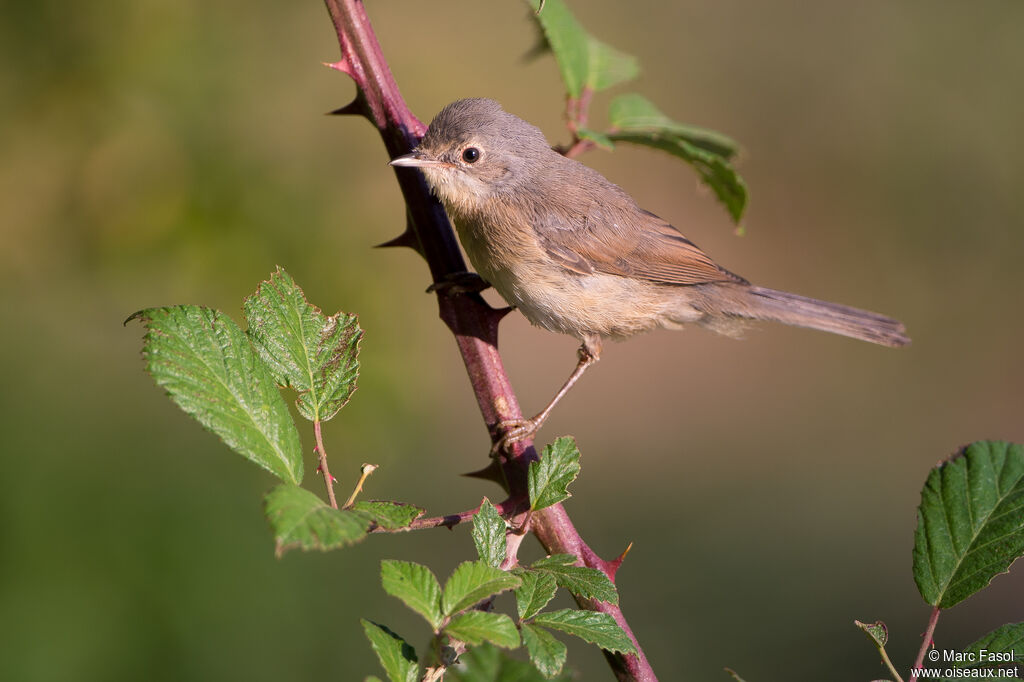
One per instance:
(156, 152)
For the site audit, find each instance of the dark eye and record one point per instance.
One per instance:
(470, 154)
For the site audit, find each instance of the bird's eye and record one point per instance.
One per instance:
(470, 154)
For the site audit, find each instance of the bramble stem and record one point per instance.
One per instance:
(929, 635)
(509, 506)
(473, 322)
(322, 454)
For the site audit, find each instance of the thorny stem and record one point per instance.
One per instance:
(929, 635)
(322, 454)
(471, 320)
(509, 506)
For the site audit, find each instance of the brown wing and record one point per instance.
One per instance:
(626, 241)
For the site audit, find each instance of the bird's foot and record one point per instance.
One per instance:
(455, 283)
(513, 431)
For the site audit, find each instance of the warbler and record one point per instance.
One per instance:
(575, 254)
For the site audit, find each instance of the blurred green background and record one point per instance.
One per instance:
(155, 153)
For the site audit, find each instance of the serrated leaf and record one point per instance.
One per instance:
(207, 365)
(488, 663)
(714, 170)
(489, 534)
(636, 113)
(970, 525)
(548, 479)
(300, 519)
(876, 632)
(582, 581)
(584, 61)
(471, 582)
(390, 515)
(1006, 642)
(395, 655)
(537, 589)
(590, 626)
(546, 652)
(554, 560)
(416, 586)
(308, 351)
(476, 627)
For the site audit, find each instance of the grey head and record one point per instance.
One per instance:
(475, 151)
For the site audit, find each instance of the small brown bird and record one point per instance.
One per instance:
(575, 254)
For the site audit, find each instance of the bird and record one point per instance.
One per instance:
(575, 254)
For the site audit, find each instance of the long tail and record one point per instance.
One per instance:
(781, 306)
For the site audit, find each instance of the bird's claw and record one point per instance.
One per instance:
(513, 431)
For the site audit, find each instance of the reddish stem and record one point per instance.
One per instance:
(929, 635)
(509, 506)
(471, 320)
(328, 479)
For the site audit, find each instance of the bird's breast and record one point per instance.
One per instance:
(512, 260)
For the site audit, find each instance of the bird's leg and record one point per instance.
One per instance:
(515, 430)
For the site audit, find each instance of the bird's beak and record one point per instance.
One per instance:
(416, 159)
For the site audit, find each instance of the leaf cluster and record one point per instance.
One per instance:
(970, 528)
(229, 380)
(461, 613)
(588, 66)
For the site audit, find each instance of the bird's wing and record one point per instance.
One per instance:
(629, 242)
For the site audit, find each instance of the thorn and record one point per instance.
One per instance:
(614, 564)
(500, 313)
(407, 238)
(491, 472)
(320, 470)
(353, 108)
(340, 65)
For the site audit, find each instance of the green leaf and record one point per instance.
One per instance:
(537, 590)
(306, 350)
(473, 581)
(970, 525)
(1005, 644)
(301, 519)
(489, 534)
(548, 479)
(487, 663)
(637, 121)
(585, 61)
(415, 585)
(600, 139)
(582, 581)
(554, 560)
(635, 112)
(546, 652)
(396, 656)
(714, 170)
(210, 369)
(390, 515)
(591, 626)
(476, 627)
(876, 632)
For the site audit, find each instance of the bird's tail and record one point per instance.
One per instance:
(800, 311)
